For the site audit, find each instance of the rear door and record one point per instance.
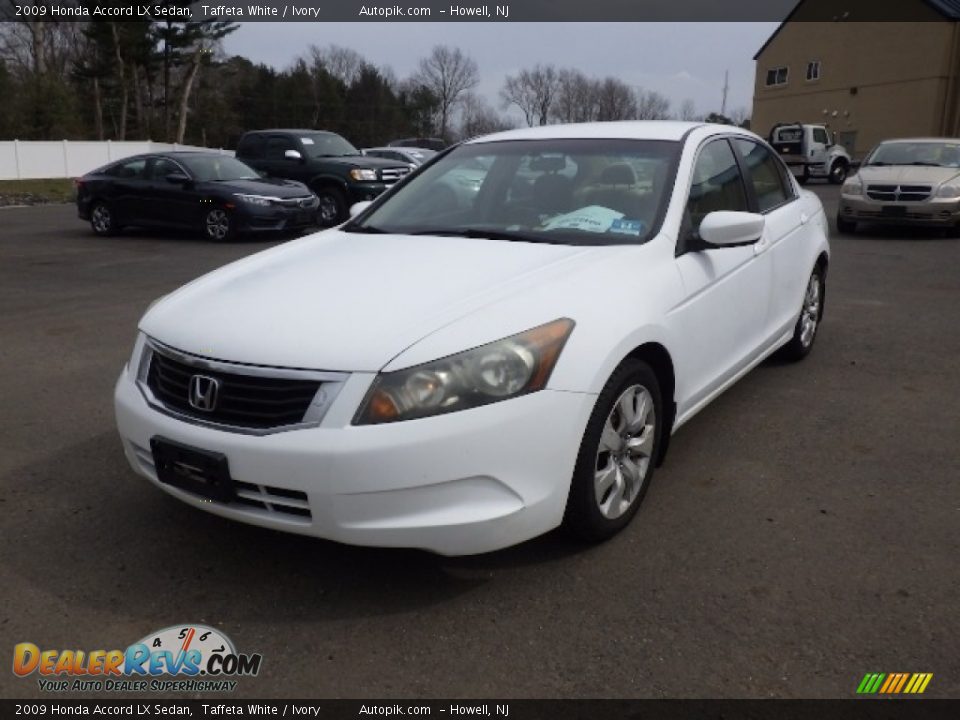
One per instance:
(128, 190)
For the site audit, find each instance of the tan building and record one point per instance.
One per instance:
(867, 81)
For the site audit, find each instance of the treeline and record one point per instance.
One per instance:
(171, 81)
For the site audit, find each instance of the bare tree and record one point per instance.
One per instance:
(477, 117)
(343, 63)
(533, 91)
(615, 100)
(447, 73)
(651, 105)
(741, 117)
(576, 98)
(688, 111)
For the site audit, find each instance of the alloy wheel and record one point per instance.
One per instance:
(101, 219)
(625, 451)
(810, 315)
(218, 224)
(328, 209)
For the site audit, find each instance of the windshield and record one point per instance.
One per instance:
(934, 154)
(591, 192)
(217, 167)
(326, 145)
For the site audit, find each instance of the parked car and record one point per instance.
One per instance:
(905, 182)
(325, 162)
(810, 151)
(205, 191)
(413, 156)
(461, 379)
(435, 144)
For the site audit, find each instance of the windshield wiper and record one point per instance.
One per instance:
(877, 164)
(923, 163)
(482, 234)
(364, 229)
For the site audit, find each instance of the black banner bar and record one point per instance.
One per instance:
(857, 709)
(483, 10)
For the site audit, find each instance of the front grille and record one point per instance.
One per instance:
(243, 401)
(308, 201)
(899, 193)
(390, 175)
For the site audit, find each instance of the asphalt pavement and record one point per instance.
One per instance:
(805, 529)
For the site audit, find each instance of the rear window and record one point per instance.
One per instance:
(251, 146)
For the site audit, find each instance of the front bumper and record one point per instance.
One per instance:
(935, 212)
(457, 484)
(253, 219)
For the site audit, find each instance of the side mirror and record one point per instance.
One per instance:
(177, 178)
(726, 228)
(359, 207)
(292, 155)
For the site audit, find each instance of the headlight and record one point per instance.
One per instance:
(949, 191)
(504, 369)
(136, 368)
(852, 187)
(261, 200)
(363, 174)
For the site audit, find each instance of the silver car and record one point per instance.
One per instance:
(905, 182)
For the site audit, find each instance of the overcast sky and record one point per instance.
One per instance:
(679, 60)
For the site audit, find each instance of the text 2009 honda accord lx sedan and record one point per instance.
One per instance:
(461, 377)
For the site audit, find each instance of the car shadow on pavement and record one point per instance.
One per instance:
(866, 231)
(85, 525)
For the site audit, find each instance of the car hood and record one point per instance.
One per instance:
(348, 302)
(907, 175)
(274, 187)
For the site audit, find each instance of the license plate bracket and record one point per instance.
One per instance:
(201, 472)
(893, 210)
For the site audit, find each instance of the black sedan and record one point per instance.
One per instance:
(213, 193)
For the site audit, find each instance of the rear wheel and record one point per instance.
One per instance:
(617, 455)
(805, 331)
(218, 225)
(845, 226)
(102, 220)
(332, 209)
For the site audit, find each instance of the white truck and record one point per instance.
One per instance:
(810, 151)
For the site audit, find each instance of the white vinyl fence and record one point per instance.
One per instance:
(28, 160)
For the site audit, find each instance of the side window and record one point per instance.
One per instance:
(764, 173)
(161, 167)
(130, 170)
(252, 146)
(717, 184)
(820, 136)
(277, 145)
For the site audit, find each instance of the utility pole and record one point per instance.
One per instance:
(726, 87)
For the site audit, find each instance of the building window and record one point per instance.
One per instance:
(777, 76)
(813, 70)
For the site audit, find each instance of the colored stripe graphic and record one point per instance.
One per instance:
(894, 683)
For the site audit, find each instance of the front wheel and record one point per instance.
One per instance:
(811, 312)
(617, 455)
(838, 172)
(218, 225)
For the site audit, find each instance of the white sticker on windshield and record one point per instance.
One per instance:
(307, 141)
(592, 218)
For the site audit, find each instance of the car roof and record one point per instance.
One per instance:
(921, 140)
(622, 130)
(292, 131)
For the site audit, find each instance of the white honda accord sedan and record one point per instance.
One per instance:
(461, 377)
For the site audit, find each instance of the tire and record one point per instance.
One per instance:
(332, 209)
(846, 227)
(603, 497)
(805, 178)
(838, 172)
(102, 220)
(808, 323)
(218, 225)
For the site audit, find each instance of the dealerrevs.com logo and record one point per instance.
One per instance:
(180, 658)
